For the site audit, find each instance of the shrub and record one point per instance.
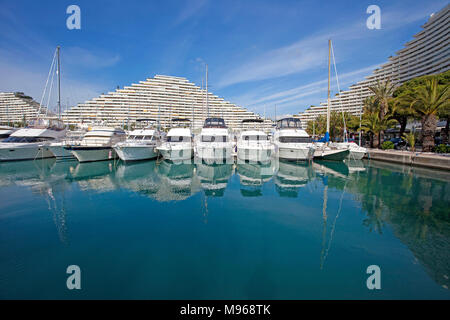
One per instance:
(387, 145)
(442, 148)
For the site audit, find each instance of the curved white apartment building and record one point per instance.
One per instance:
(428, 53)
(163, 97)
(14, 106)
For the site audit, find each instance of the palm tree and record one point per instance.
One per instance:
(382, 94)
(401, 112)
(426, 102)
(372, 123)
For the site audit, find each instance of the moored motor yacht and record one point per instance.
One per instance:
(97, 144)
(254, 144)
(31, 142)
(178, 143)
(214, 144)
(140, 144)
(291, 141)
(58, 148)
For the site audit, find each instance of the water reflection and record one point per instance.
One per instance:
(413, 202)
(177, 180)
(140, 177)
(214, 177)
(253, 175)
(292, 176)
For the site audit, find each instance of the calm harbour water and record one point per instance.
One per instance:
(246, 231)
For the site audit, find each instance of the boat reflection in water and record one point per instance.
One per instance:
(177, 180)
(332, 214)
(292, 176)
(355, 166)
(96, 176)
(335, 168)
(214, 177)
(139, 177)
(25, 173)
(253, 175)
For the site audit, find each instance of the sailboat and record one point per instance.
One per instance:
(356, 151)
(323, 149)
(31, 142)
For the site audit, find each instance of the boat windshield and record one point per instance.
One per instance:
(256, 138)
(214, 123)
(141, 137)
(289, 123)
(214, 138)
(178, 139)
(295, 139)
(53, 124)
(26, 139)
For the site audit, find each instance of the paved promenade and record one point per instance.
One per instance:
(422, 159)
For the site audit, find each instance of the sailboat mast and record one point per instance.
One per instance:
(328, 100)
(59, 84)
(207, 109)
(360, 127)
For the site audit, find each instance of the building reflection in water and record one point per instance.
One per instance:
(413, 202)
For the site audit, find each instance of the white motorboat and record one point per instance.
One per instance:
(140, 144)
(291, 141)
(214, 144)
(178, 144)
(97, 144)
(32, 142)
(254, 145)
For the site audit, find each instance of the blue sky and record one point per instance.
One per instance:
(259, 53)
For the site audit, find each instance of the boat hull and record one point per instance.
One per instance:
(25, 152)
(60, 152)
(90, 154)
(176, 154)
(253, 154)
(356, 155)
(294, 154)
(333, 155)
(136, 153)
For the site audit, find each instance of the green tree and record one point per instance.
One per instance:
(427, 101)
(382, 94)
(372, 123)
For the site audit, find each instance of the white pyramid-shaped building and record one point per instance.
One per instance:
(163, 98)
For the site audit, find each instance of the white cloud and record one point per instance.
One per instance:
(293, 97)
(191, 8)
(311, 52)
(86, 58)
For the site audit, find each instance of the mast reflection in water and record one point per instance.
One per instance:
(272, 230)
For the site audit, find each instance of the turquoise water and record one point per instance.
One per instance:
(246, 231)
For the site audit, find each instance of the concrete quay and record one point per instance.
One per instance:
(420, 159)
